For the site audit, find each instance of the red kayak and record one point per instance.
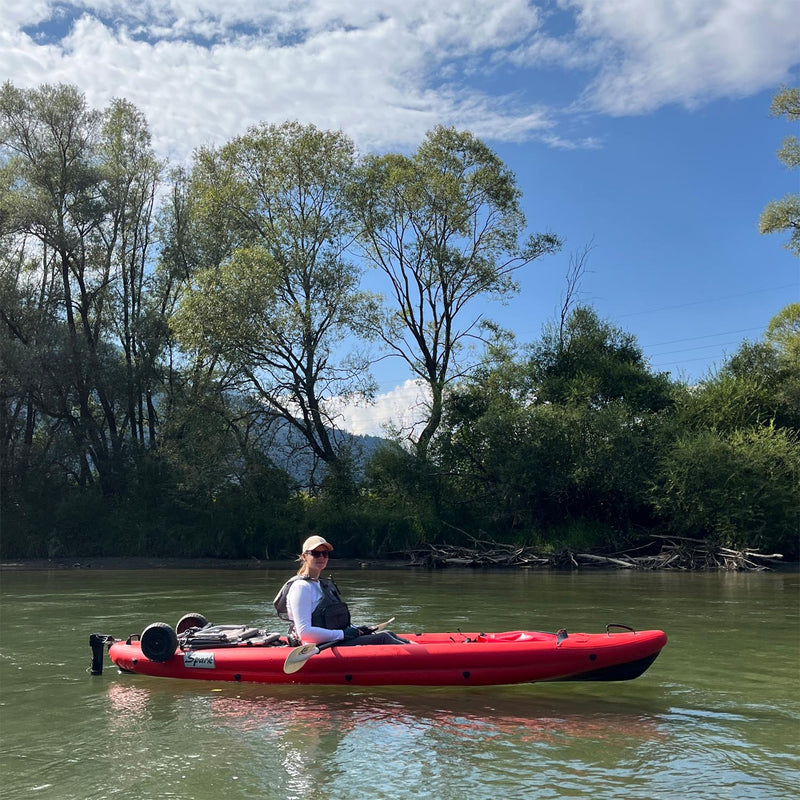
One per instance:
(238, 653)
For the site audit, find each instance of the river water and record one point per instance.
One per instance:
(716, 716)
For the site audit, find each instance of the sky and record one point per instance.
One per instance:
(639, 130)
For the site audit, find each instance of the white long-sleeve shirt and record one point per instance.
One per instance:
(302, 599)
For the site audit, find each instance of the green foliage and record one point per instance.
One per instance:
(729, 402)
(784, 215)
(581, 437)
(729, 471)
(76, 195)
(147, 444)
(759, 384)
(524, 467)
(276, 295)
(251, 517)
(783, 334)
(443, 226)
(406, 493)
(363, 529)
(587, 361)
(738, 488)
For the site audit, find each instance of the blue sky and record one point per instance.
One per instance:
(640, 127)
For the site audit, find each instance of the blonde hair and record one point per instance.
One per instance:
(303, 566)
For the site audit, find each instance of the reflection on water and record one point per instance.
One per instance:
(449, 718)
(716, 715)
(128, 707)
(300, 738)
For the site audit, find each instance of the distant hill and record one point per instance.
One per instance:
(289, 452)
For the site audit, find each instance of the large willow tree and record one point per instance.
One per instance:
(276, 296)
(444, 226)
(77, 188)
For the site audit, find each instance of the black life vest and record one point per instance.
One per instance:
(331, 612)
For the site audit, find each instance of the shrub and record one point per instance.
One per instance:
(739, 488)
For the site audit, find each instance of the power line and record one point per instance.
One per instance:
(713, 300)
(699, 347)
(678, 363)
(706, 336)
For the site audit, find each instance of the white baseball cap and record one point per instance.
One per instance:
(313, 542)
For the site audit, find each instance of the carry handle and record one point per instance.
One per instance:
(619, 625)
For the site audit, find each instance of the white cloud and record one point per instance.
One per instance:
(650, 53)
(387, 71)
(402, 408)
(202, 71)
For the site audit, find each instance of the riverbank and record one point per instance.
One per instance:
(343, 564)
(137, 562)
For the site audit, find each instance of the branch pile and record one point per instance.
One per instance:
(672, 552)
(680, 552)
(480, 554)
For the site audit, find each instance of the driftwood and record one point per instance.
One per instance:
(480, 554)
(682, 552)
(667, 552)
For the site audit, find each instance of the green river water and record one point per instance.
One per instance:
(716, 716)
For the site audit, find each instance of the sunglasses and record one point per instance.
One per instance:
(318, 553)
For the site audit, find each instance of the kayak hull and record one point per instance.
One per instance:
(440, 659)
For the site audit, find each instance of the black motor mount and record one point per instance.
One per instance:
(97, 641)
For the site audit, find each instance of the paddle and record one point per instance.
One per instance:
(299, 656)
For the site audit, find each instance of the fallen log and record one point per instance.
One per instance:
(607, 560)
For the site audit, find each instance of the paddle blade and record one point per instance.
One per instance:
(298, 657)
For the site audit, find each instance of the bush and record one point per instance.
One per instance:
(738, 488)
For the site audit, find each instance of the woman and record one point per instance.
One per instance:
(313, 607)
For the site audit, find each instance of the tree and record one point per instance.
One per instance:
(783, 334)
(76, 195)
(582, 411)
(586, 361)
(443, 226)
(24, 331)
(130, 175)
(730, 469)
(275, 296)
(784, 214)
(738, 488)
(759, 384)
